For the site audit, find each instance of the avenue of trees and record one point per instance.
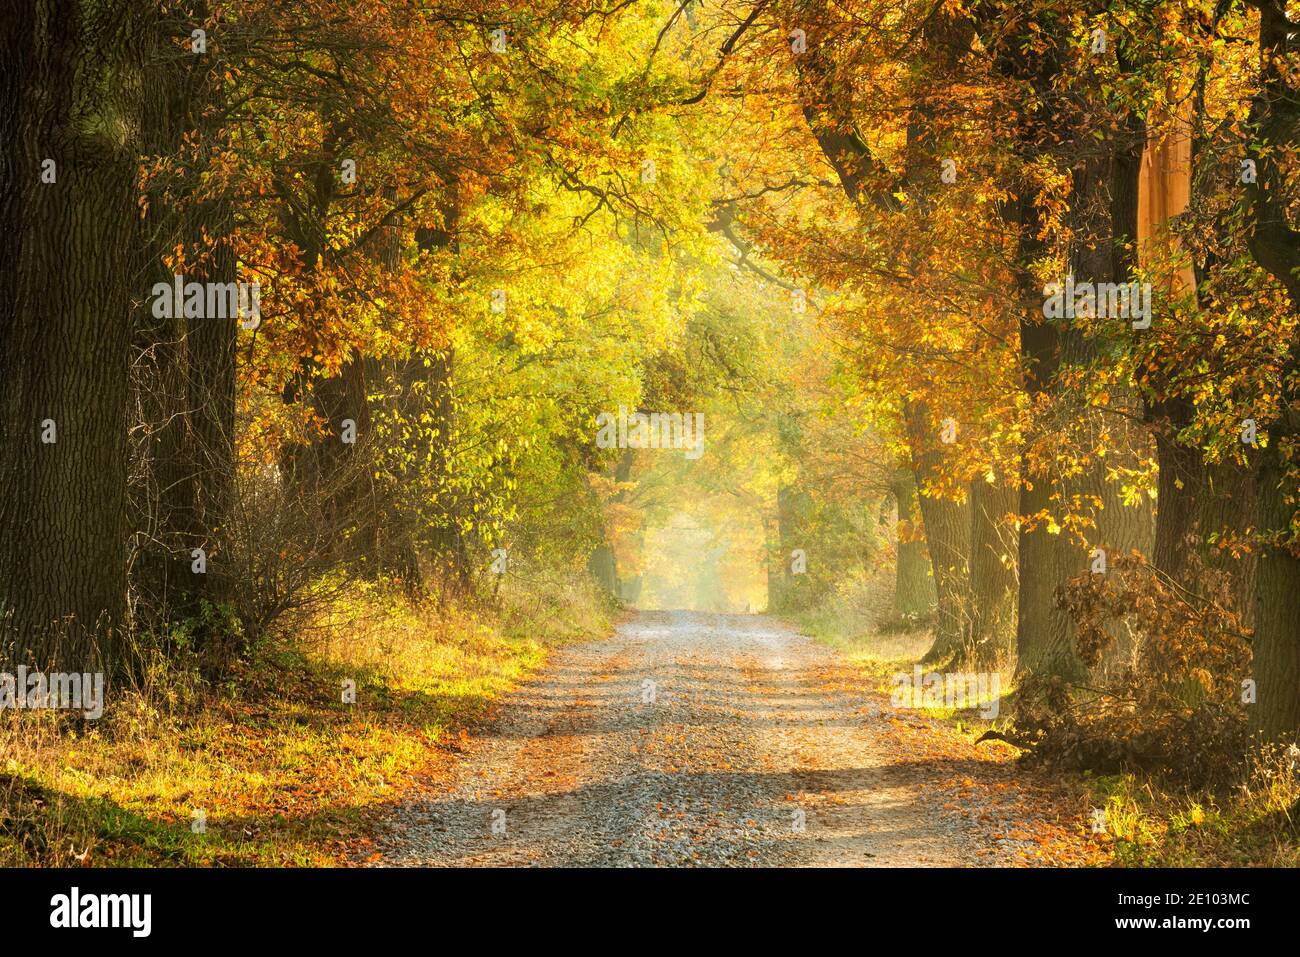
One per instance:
(1008, 288)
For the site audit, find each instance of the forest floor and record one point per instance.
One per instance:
(727, 740)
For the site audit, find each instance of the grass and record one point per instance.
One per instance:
(1148, 822)
(273, 768)
(889, 647)
(1257, 824)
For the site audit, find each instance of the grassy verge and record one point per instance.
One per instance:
(273, 767)
(1147, 822)
(1255, 825)
(863, 632)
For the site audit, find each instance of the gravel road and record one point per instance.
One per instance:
(686, 739)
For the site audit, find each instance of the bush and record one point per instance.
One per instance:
(1167, 667)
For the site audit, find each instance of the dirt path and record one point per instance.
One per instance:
(694, 739)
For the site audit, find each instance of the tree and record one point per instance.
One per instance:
(71, 113)
(1274, 242)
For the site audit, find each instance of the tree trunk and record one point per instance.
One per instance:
(1043, 633)
(339, 476)
(772, 543)
(1198, 502)
(439, 377)
(993, 578)
(72, 93)
(1275, 245)
(603, 568)
(185, 390)
(1276, 712)
(792, 508)
(1104, 214)
(947, 537)
(914, 594)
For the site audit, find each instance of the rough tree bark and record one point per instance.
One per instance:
(1048, 558)
(72, 94)
(1197, 500)
(1275, 244)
